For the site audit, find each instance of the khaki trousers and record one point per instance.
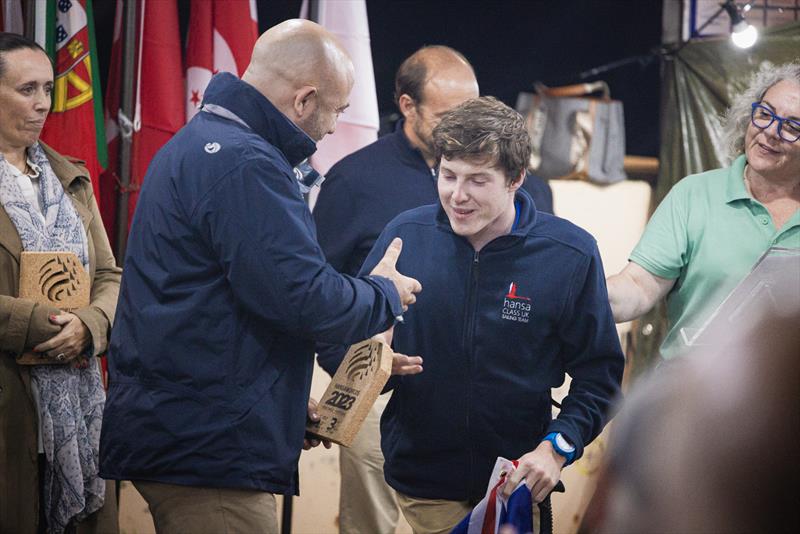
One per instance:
(181, 509)
(367, 505)
(432, 516)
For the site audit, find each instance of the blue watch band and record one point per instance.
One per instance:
(552, 437)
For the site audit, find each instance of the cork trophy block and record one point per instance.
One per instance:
(54, 278)
(352, 392)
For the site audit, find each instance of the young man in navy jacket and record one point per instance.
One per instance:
(514, 299)
(394, 174)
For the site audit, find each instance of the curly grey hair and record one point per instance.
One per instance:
(736, 119)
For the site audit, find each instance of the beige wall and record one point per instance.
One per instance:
(615, 215)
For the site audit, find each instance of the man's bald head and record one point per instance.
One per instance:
(305, 72)
(437, 64)
(429, 83)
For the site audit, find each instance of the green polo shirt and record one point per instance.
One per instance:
(707, 234)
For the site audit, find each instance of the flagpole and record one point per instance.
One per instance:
(30, 19)
(126, 128)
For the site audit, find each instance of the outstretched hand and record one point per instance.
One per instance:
(401, 364)
(406, 365)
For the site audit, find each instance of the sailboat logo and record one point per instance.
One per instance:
(512, 293)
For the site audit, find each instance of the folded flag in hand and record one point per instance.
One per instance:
(493, 512)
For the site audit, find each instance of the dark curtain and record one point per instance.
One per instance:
(698, 84)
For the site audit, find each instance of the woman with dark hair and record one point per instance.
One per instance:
(711, 229)
(50, 415)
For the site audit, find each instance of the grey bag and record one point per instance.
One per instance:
(574, 136)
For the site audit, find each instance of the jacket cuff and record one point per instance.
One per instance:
(392, 296)
(97, 323)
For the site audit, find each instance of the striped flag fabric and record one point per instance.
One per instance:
(158, 99)
(494, 512)
(75, 124)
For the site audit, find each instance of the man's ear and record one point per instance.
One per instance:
(516, 184)
(407, 105)
(305, 100)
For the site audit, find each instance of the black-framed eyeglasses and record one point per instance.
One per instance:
(763, 117)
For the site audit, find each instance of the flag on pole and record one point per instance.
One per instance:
(158, 98)
(75, 123)
(11, 17)
(109, 180)
(158, 112)
(221, 38)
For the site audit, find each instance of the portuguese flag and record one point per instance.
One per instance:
(75, 125)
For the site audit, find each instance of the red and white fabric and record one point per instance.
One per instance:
(221, 38)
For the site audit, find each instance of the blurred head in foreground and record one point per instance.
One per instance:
(709, 443)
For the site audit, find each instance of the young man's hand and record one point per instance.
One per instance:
(406, 365)
(540, 468)
(401, 364)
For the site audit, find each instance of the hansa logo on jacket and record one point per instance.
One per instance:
(516, 307)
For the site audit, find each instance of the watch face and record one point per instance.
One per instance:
(563, 444)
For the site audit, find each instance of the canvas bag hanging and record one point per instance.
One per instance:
(573, 135)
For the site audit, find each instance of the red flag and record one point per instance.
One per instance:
(221, 38)
(75, 125)
(109, 179)
(158, 94)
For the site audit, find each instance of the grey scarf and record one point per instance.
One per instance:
(70, 400)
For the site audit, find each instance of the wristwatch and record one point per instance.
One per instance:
(561, 446)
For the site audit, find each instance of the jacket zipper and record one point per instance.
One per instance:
(469, 334)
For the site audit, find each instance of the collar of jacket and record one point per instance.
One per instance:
(528, 214)
(261, 116)
(68, 170)
(408, 153)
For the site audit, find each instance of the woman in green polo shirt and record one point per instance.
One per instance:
(712, 227)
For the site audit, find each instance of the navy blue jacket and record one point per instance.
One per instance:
(496, 330)
(224, 292)
(366, 190)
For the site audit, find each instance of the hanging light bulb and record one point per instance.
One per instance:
(743, 35)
